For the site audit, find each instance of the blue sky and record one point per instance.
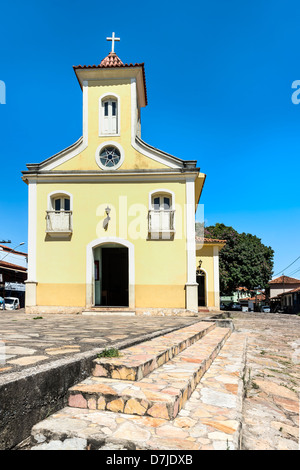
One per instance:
(219, 77)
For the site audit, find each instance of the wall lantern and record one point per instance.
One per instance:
(107, 219)
(198, 271)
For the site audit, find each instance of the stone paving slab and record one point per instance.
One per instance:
(28, 340)
(210, 420)
(138, 361)
(271, 405)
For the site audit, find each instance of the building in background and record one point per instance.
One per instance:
(13, 275)
(278, 287)
(290, 301)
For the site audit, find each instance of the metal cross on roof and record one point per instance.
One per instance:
(113, 39)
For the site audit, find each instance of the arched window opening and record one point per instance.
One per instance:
(161, 215)
(109, 116)
(61, 203)
(59, 214)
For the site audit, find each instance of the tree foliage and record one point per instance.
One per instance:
(244, 261)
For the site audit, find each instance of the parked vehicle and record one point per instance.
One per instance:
(11, 303)
(223, 306)
(265, 309)
(234, 306)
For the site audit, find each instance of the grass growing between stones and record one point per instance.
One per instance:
(111, 352)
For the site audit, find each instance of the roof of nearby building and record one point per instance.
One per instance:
(209, 240)
(9, 250)
(258, 297)
(290, 291)
(285, 280)
(12, 267)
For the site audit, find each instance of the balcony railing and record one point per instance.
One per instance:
(59, 222)
(161, 222)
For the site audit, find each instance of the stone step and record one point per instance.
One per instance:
(109, 311)
(163, 393)
(210, 420)
(139, 360)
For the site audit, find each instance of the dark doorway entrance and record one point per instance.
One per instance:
(114, 277)
(201, 289)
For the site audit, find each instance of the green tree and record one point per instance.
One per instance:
(244, 261)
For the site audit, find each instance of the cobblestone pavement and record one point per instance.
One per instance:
(270, 419)
(271, 405)
(30, 340)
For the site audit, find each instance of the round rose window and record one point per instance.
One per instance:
(110, 157)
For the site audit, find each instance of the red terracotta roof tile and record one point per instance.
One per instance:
(4, 264)
(259, 297)
(290, 291)
(285, 280)
(9, 250)
(209, 240)
(112, 60)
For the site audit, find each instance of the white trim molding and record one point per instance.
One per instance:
(216, 276)
(205, 285)
(32, 228)
(161, 191)
(59, 193)
(31, 283)
(90, 268)
(190, 231)
(191, 283)
(85, 113)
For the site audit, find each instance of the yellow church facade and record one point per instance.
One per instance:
(111, 219)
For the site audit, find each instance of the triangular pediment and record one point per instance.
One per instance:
(79, 157)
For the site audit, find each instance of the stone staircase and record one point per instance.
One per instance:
(109, 311)
(144, 398)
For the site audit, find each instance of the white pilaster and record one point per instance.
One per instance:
(85, 126)
(133, 110)
(32, 227)
(191, 284)
(32, 222)
(216, 276)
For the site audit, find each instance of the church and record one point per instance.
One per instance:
(111, 219)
